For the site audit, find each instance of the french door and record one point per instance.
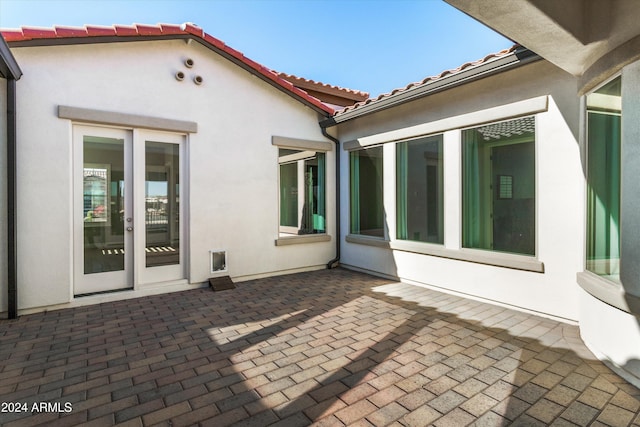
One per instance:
(128, 221)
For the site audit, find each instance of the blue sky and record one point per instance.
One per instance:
(370, 45)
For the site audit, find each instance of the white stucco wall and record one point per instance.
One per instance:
(3, 196)
(612, 334)
(559, 192)
(232, 165)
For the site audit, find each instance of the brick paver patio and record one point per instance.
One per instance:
(329, 347)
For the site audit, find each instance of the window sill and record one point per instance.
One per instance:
(499, 259)
(608, 292)
(367, 240)
(302, 239)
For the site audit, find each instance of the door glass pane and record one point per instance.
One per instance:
(162, 204)
(103, 204)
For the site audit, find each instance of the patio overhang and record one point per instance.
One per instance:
(589, 39)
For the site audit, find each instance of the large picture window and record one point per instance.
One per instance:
(603, 179)
(420, 215)
(302, 191)
(367, 211)
(498, 194)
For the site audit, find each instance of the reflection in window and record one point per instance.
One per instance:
(302, 191)
(604, 113)
(420, 190)
(96, 193)
(103, 204)
(162, 204)
(367, 210)
(498, 194)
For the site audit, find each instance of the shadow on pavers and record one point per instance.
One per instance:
(331, 347)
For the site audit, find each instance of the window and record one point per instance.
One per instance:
(302, 191)
(498, 187)
(367, 211)
(603, 180)
(419, 204)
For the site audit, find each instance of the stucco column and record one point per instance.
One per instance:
(630, 181)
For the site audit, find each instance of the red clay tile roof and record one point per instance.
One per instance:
(355, 95)
(141, 30)
(431, 79)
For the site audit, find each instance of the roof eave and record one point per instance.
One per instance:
(238, 59)
(519, 57)
(319, 107)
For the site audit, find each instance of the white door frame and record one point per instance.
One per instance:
(113, 280)
(136, 274)
(167, 273)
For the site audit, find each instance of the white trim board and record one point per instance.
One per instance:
(503, 112)
(90, 115)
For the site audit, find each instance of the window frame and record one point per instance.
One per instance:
(282, 142)
(610, 278)
(451, 128)
(488, 213)
(437, 138)
(300, 160)
(355, 235)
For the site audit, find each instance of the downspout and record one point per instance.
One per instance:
(333, 263)
(12, 285)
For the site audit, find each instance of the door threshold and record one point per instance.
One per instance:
(110, 291)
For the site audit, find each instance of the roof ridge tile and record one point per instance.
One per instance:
(39, 32)
(326, 85)
(100, 30)
(125, 30)
(65, 31)
(148, 30)
(170, 28)
(13, 34)
(215, 41)
(191, 28)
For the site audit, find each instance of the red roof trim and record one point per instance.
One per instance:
(320, 85)
(170, 29)
(95, 30)
(71, 32)
(39, 33)
(148, 30)
(32, 33)
(215, 42)
(192, 29)
(12, 35)
(126, 30)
